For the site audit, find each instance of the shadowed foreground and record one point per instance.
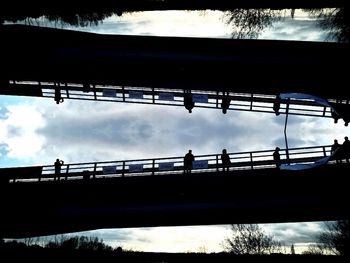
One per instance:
(246, 196)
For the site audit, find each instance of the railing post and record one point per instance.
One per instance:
(123, 92)
(123, 171)
(217, 99)
(67, 90)
(324, 151)
(95, 94)
(153, 164)
(217, 163)
(95, 168)
(251, 160)
(285, 132)
(67, 171)
(153, 96)
(251, 101)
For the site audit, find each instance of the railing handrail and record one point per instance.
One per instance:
(238, 159)
(197, 156)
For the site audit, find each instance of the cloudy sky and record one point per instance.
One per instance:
(37, 131)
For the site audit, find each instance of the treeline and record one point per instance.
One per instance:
(83, 243)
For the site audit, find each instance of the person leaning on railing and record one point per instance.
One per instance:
(225, 159)
(335, 151)
(346, 149)
(58, 165)
(188, 160)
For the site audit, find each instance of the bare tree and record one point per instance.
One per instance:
(249, 23)
(314, 249)
(251, 239)
(335, 20)
(336, 237)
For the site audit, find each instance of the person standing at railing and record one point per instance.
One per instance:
(277, 105)
(225, 159)
(277, 157)
(346, 148)
(58, 165)
(225, 104)
(188, 160)
(335, 150)
(188, 102)
(58, 97)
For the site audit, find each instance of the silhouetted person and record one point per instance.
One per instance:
(335, 146)
(58, 97)
(277, 105)
(335, 150)
(58, 165)
(225, 159)
(225, 104)
(189, 158)
(346, 148)
(188, 102)
(277, 157)
(334, 115)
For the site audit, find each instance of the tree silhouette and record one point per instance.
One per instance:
(336, 237)
(79, 243)
(336, 21)
(71, 19)
(249, 23)
(251, 239)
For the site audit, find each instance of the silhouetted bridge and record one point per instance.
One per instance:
(267, 67)
(156, 192)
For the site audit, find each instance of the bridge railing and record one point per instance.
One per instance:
(171, 97)
(170, 165)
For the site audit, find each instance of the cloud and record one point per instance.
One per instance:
(295, 233)
(295, 29)
(18, 132)
(158, 23)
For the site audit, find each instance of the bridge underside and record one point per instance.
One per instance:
(247, 66)
(257, 196)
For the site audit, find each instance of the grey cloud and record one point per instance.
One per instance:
(106, 130)
(14, 131)
(292, 233)
(292, 142)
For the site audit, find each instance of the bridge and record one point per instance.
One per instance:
(225, 101)
(225, 65)
(156, 192)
